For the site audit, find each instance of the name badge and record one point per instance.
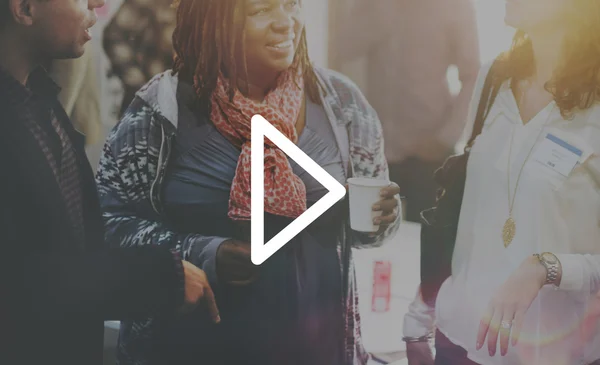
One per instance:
(557, 155)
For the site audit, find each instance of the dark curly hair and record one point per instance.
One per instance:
(575, 84)
(208, 38)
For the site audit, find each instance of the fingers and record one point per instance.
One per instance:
(505, 330)
(234, 252)
(388, 200)
(234, 265)
(517, 326)
(239, 273)
(239, 256)
(390, 191)
(239, 250)
(385, 220)
(492, 335)
(239, 259)
(197, 288)
(211, 303)
(386, 205)
(484, 326)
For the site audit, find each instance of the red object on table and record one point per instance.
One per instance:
(382, 277)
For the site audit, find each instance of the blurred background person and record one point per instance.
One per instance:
(80, 93)
(409, 47)
(176, 171)
(526, 261)
(138, 43)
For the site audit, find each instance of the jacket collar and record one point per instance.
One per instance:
(160, 94)
(12, 92)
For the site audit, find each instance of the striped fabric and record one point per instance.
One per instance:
(66, 171)
(35, 104)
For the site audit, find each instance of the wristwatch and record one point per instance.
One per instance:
(552, 265)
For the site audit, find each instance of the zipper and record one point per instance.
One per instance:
(161, 167)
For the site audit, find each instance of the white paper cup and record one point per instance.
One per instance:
(364, 193)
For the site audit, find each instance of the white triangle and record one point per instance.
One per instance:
(261, 251)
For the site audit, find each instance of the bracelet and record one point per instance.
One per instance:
(409, 339)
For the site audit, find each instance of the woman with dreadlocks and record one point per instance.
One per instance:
(176, 172)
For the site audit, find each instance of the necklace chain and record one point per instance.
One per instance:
(511, 202)
(509, 229)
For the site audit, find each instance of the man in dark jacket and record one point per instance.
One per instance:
(58, 284)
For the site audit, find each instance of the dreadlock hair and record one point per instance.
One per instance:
(209, 38)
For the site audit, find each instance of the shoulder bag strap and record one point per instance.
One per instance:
(491, 87)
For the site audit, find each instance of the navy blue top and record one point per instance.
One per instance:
(293, 313)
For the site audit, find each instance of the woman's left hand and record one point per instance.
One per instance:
(508, 306)
(387, 205)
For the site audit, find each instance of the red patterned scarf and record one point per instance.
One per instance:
(285, 193)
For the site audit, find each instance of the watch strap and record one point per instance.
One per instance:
(552, 269)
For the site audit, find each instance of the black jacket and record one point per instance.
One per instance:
(56, 293)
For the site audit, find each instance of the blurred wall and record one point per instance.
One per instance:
(494, 37)
(355, 68)
(316, 13)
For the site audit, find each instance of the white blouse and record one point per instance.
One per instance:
(553, 212)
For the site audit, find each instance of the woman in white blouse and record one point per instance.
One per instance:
(527, 254)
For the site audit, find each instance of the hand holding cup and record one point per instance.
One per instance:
(373, 204)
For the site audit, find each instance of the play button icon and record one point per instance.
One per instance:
(261, 251)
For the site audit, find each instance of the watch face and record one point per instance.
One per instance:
(549, 258)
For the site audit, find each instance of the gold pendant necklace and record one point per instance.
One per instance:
(509, 230)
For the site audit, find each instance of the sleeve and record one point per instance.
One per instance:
(123, 180)
(368, 157)
(580, 272)
(104, 285)
(465, 56)
(420, 318)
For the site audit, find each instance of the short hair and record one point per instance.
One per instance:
(207, 39)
